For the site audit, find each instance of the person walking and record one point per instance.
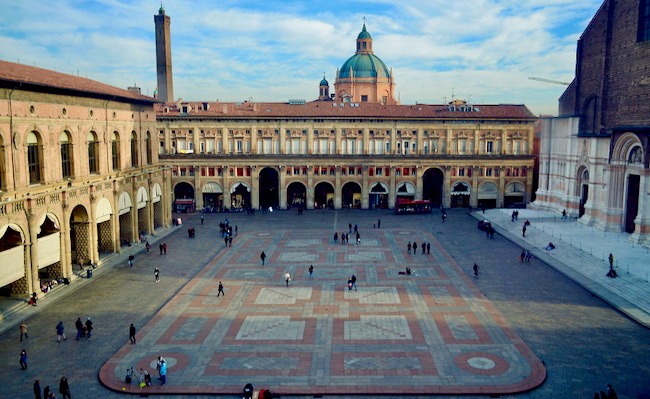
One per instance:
(201, 220)
(164, 248)
(132, 334)
(379, 223)
(428, 248)
(89, 327)
(564, 214)
(64, 388)
(611, 260)
(60, 332)
(287, 277)
(159, 363)
(160, 246)
(156, 274)
(148, 247)
(263, 257)
(79, 325)
(353, 279)
(131, 257)
(220, 290)
(23, 330)
(424, 248)
(527, 256)
(23, 359)
(37, 389)
(311, 271)
(475, 271)
(408, 248)
(444, 216)
(523, 231)
(415, 248)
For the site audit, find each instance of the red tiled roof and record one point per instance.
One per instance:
(330, 109)
(30, 75)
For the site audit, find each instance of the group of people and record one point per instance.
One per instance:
(84, 330)
(412, 249)
(64, 390)
(525, 255)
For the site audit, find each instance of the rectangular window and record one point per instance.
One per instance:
(65, 160)
(134, 153)
(378, 171)
(211, 172)
(364, 99)
(33, 163)
(488, 172)
(488, 147)
(183, 172)
(461, 171)
(644, 21)
(240, 147)
(92, 157)
(115, 155)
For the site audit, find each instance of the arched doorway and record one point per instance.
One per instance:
(103, 214)
(296, 194)
(487, 195)
(432, 186)
(80, 250)
(184, 197)
(269, 188)
(583, 187)
(405, 191)
(124, 211)
(351, 195)
(156, 200)
(460, 193)
(12, 267)
(324, 195)
(379, 196)
(514, 195)
(49, 248)
(212, 197)
(240, 197)
(635, 161)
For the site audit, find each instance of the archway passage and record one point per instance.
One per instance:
(515, 195)
(351, 194)
(240, 197)
(296, 195)
(405, 191)
(460, 193)
(432, 186)
(212, 197)
(49, 249)
(12, 267)
(80, 236)
(269, 188)
(632, 202)
(379, 196)
(184, 197)
(487, 195)
(324, 196)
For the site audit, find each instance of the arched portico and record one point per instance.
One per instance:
(405, 190)
(124, 211)
(351, 195)
(80, 241)
(212, 196)
(488, 195)
(433, 186)
(379, 195)
(460, 193)
(13, 277)
(296, 194)
(104, 221)
(324, 195)
(515, 193)
(240, 196)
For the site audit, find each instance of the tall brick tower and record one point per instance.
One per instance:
(164, 56)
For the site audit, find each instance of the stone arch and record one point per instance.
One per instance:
(269, 187)
(351, 195)
(142, 204)
(12, 267)
(124, 207)
(488, 194)
(48, 229)
(212, 196)
(378, 195)
(324, 195)
(240, 195)
(157, 203)
(405, 190)
(581, 189)
(623, 147)
(104, 222)
(433, 185)
(460, 194)
(80, 240)
(296, 194)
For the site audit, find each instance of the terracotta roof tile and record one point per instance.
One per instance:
(12, 72)
(329, 109)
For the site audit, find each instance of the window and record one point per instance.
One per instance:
(115, 151)
(134, 150)
(644, 21)
(93, 148)
(66, 155)
(364, 98)
(488, 147)
(488, 172)
(148, 147)
(461, 171)
(34, 158)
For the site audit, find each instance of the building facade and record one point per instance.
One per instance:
(594, 156)
(79, 175)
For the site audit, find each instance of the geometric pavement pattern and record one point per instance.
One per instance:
(431, 332)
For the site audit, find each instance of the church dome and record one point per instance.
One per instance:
(364, 34)
(364, 66)
(324, 82)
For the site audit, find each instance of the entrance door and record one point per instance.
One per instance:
(583, 199)
(632, 206)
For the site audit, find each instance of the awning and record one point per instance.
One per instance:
(405, 189)
(103, 211)
(143, 197)
(211, 188)
(156, 193)
(124, 203)
(379, 188)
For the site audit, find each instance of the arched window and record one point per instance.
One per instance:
(115, 151)
(134, 150)
(93, 150)
(34, 158)
(66, 155)
(148, 145)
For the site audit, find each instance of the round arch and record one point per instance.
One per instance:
(514, 194)
(433, 185)
(240, 196)
(405, 190)
(80, 248)
(379, 195)
(460, 193)
(324, 195)
(351, 195)
(212, 197)
(269, 188)
(624, 146)
(296, 194)
(12, 241)
(142, 197)
(488, 193)
(184, 197)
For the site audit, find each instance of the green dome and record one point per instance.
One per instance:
(364, 66)
(324, 82)
(364, 34)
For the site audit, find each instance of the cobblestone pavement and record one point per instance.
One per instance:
(584, 343)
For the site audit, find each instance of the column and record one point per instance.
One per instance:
(365, 190)
(310, 140)
(366, 141)
(282, 190)
(226, 186)
(473, 196)
(93, 251)
(420, 142)
(392, 191)
(255, 188)
(31, 258)
(309, 194)
(448, 149)
(338, 197)
(418, 182)
(198, 188)
(446, 192)
(337, 144)
(502, 187)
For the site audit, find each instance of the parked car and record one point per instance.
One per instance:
(484, 224)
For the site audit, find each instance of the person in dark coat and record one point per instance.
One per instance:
(132, 333)
(23, 360)
(89, 327)
(263, 257)
(64, 388)
(37, 389)
(79, 325)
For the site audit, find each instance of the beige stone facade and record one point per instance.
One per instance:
(342, 155)
(79, 174)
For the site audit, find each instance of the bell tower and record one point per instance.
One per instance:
(164, 56)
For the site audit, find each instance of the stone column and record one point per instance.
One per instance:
(225, 182)
(502, 187)
(418, 182)
(31, 261)
(338, 197)
(392, 190)
(198, 189)
(255, 188)
(365, 190)
(309, 194)
(473, 196)
(310, 140)
(281, 187)
(446, 191)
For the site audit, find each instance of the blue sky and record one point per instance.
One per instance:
(482, 51)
